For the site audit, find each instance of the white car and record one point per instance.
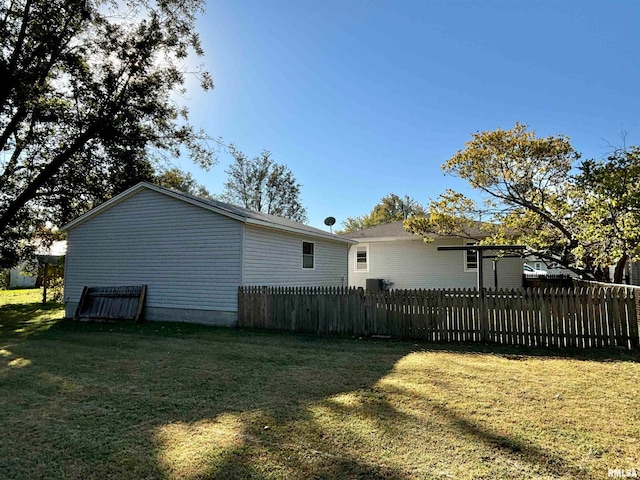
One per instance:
(532, 272)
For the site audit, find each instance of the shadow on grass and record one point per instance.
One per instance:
(515, 353)
(184, 330)
(493, 444)
(166, 400)
(543, 460)
(102, 404)
(25, 320)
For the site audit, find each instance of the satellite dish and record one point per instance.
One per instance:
(329, 222)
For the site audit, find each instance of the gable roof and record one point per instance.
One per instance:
(240, 214)
(396, 231)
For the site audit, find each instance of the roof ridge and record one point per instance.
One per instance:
(236, 212)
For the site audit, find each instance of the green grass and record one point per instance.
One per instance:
(168, 400)
(22, 313)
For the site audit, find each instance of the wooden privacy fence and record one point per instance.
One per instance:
(561, 317)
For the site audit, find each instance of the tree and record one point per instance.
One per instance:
(263, 185)
(391, 208)
(611, 208)
(86, 105)
(532, 197)
(452, 214)
(182, 181)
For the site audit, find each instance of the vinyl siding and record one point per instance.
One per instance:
(509, 272)
(189, 257)
(274, 258)
(416, 264)
(634, 273)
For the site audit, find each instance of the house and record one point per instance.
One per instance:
(631, 275)
(404, 260)
(25, 275)
(550, 268)
(19, 277)
(193, 253)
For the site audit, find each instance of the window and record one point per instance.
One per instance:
(538, 265)
(470, 259)
(362, 258)
(307, 255)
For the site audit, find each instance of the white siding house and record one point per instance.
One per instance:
(268, 260)
(25, 275)
(634, 273)
(193, 253)
(18, 278)
(404, 261)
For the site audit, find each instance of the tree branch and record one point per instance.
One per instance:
(45, 174)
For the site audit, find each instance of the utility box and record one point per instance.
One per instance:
(375, 284)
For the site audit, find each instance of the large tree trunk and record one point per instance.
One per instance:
(601, 275)
(618, 275)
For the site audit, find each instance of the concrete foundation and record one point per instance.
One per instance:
(158, 314)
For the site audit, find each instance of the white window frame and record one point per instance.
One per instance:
(465, 258)
(313, 255)
(355, 259)
(537, 265)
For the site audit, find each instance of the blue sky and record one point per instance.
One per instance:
(361, 98)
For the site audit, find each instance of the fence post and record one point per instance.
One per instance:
(482, 316)
(362, 312)
(634, 318)
(240, 307)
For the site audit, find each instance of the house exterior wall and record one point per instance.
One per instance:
(410, 264)
(274, 258)
(634, 273)
(189, 257)
(509, 273)
(18, 279)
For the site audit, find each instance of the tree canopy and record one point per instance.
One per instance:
(610, 209)
(391, 208)
(87, 104)
(263, 185)
(183, 181)
(583, 221)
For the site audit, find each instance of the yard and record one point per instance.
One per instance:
(169, 400)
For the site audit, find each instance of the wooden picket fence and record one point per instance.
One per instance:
(561, 317)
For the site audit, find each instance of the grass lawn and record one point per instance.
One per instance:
(168, 400)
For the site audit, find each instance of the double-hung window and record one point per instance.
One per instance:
(470, 259)
(308, 255)
(362, 258)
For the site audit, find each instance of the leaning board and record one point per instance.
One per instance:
(111, 303)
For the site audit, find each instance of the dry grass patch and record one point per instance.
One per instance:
(181, 401)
